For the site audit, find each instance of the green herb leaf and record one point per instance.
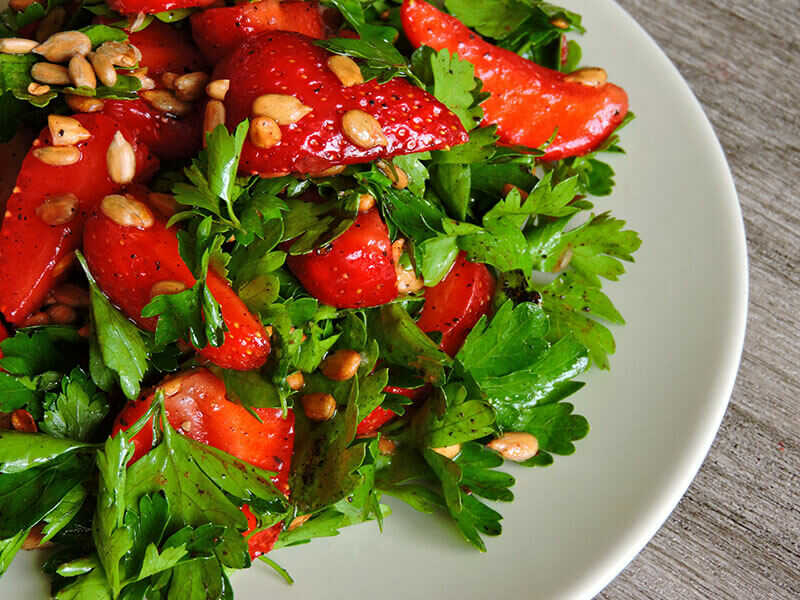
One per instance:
(574, 300)
(403, 343)
(193, 314)
(555, 428)
(100, 34)
(450, 417)
(77, 411)
(452, 81)
(315, 224)
(9, 548)
(34, 351)
(375, 45)
(199, 482)
(61, 516)
(14, 393)
(514, 366)
(121, 344)
(324, 463)
(22, 451)
(26, 497)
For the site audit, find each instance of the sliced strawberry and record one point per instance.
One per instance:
(167, 48)
(261, 542)
(150, 7)
(528, 103)
(218, 31)
(290, 64)
(197, 407)
(355, 270)
(377, 418)
(164, 49)
(127, 262)
(455, 304)
(3, 335)
(169, 137)
(33, 254)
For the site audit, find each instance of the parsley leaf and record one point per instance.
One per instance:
(527, 27)
(452, 81)
(14, 393)
(77, 411)
(362, 504)
(214, 187)
(382, 61)
(510, 341)
(15, 69)
(450, 417)
(15, 75)
(314, 224)
(514, 365)
(99, 34)
(22, 451)
(404, 344)
(34, 351)
(112, 539)
(492, 19)
(471, 516)
(555, 428)
(574, 300)
(193, 314)
(325, 460)
(595, 177)
(182, 489)
(28, 496)
(524, 378)
(202, 484)
(121, 343)
(9, 548)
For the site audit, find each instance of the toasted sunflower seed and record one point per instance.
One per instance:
(58, 156)
(126, 211)
(591, 76)
(17, 45)
(66, 131)
(58, 210)
(62, 46)
(363, 129)
(283, 109)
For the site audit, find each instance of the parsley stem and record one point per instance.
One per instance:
(278, 569)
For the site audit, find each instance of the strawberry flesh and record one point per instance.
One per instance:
(290, 64)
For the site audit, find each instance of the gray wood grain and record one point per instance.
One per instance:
(736, 533)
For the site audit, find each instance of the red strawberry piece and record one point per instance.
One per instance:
(34, 255)
(528, 103)
(150, 7)
(289, 64)
(128, 262)
(218, 31)
(456, 303)
(355, 270)
(168, 136)
(164, 49)
(167, 48)
(197, 406)
(260, 542)
(3, 335)
(377, 418)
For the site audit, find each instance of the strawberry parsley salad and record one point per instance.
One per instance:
(268, 264)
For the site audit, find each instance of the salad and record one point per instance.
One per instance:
(269, 264)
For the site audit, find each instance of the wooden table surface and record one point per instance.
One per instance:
(736, 533)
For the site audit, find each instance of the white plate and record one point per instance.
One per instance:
(575, 525)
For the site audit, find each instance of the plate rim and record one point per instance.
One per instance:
(626, 550)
